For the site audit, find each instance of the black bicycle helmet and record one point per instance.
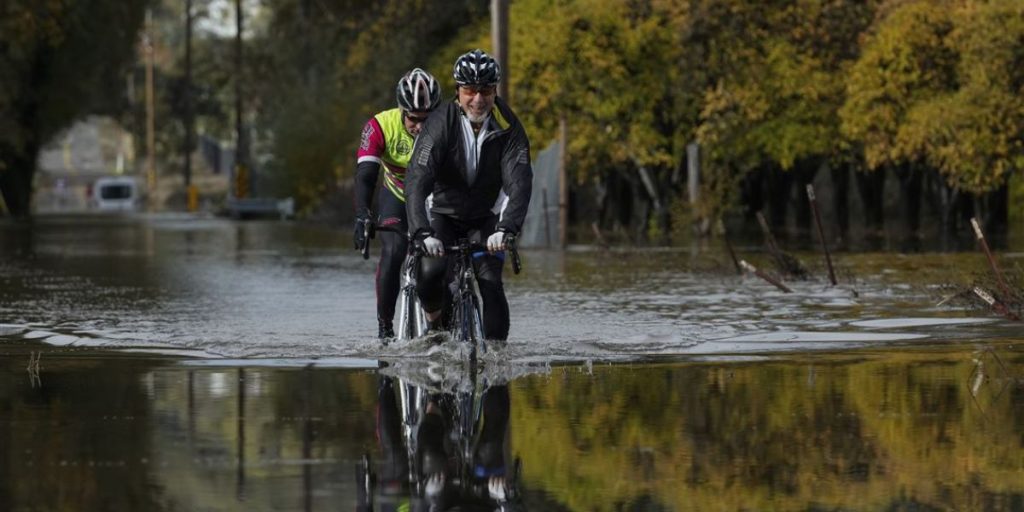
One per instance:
(418, 91)
(477, 68)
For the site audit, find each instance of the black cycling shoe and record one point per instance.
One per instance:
(384, 330)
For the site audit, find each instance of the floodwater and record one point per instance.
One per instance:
(172, 363)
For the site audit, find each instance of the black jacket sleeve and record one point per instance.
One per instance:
(427, 157)
(366, 183)
(517, 180)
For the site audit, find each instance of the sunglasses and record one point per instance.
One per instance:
(416, 119)
(473, 90)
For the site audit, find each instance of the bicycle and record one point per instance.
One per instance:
(410, 319)
(467, 304)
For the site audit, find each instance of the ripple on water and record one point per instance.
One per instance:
(253, 291)
(822, 337)
(12, 329)
(897, 323)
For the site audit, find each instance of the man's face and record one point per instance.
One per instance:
(476, 101)
(414, 121)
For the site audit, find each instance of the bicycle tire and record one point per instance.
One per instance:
(404, 331)
(477, 314)
(412, 322)
(464, 319)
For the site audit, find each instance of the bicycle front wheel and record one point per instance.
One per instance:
(468, 325)
(465, 326)
(411, 321)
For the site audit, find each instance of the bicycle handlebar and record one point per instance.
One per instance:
(513, 249)
(464, 245)
(370, 227)
(510, 246)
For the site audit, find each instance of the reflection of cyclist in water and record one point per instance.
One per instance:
(393, 465)
(487, 472)
(422, 464)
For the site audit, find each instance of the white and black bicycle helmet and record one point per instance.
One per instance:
(477, 68)
(418, 91)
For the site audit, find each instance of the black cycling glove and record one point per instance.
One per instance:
(364, 229)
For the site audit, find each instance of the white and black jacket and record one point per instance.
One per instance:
(438, 167)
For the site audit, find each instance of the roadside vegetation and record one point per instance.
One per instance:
(925, 94)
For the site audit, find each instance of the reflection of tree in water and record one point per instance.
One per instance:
(283, 453)
(79, 440)
(772, 436)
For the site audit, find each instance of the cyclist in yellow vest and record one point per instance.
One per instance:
(387, 142)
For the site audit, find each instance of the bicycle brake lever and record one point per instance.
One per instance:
(366, 240)
(513, 248)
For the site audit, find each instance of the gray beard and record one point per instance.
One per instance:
(476, 119)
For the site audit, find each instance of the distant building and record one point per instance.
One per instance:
(70, 163)
(97, 147)
(219, 157)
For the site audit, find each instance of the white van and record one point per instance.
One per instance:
(115, 193)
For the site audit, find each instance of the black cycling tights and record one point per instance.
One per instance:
(436, 273)
(389, 270)
(393, 248)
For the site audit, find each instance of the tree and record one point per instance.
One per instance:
(905, 61)
(620, 75)
(974, 134)
(332, 65)
(775, 83)
(61, 59)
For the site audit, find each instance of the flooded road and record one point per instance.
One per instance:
(224, 289)
(170, 363)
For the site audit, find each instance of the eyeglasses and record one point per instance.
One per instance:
(416, 119)
(473, 90)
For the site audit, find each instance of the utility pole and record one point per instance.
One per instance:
(308, 68)
(240, 179)
(190, 191)
(563, 183)
(499, 41)
(147, 44)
